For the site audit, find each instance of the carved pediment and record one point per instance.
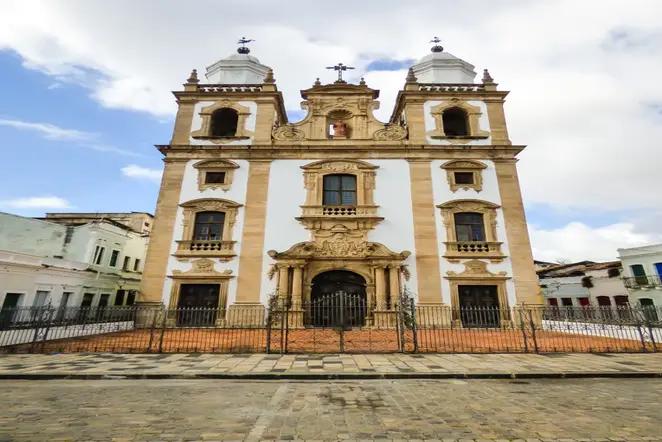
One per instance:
(202, 269)
(390, 133)
(288, 133)
(216, 164)
(475, 269)
(338, 246)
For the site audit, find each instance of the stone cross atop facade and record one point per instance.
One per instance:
(340, 68)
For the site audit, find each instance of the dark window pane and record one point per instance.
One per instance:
(214, 177)
(348, 182)
(209, 226)
(464, 178)
(349, 198)
(469, 226)
(224, 123)
(455, 122)
(331, 198)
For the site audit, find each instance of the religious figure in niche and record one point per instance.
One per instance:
(339, 129)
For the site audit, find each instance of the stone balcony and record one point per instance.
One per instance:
(208, 249)
(340, 211)
(473, 249)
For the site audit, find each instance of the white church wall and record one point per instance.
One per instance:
(490, 192)
(286, 194)
(393, 195)
(249, 125)
(189, 192)
(430, 124)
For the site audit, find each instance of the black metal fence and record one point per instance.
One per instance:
(330, 324)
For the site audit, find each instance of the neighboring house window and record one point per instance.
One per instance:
(126, 263)
(553, 302)
(40, 298)
(87, 300)
(455, 122)
(339, 190)
(469, 226)
(208, 226)
(113, 258)
(136, 265)
(119, 297)
(131, 297)
(566, 302)
(224, 122)
(639, 274)
(98, 255)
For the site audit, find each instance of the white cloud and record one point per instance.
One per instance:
(49, 131)
(577, 241)
(583, 98)
(37, 202)
(135, 171)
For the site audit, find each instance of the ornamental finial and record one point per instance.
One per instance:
(437, 47)
(193, 78)
(487, 78)
(411, 77)
(340, 68)
(269, 78)
(362, 82)
(317, 82)
(243, 49)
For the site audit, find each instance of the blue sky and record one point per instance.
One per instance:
(85, 94)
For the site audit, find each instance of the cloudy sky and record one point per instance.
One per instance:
(85, 95)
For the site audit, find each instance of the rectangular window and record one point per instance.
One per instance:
(214, 177)
(136, 265)
(566, 302)
(339, 190)
(40, 298)
(464, 177)
(98, 254)
(125, 264)
(113, 258)
(553, 302)
(469, 227)
(87, 300)
(639, 274)
(119, 297)
(131, 297)
(209, 226)
(103, 300)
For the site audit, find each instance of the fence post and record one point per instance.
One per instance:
(413, 324)
(164, 312)
(342, 322)
(288, 305)
(269, 319)
(151, 334)
(533, 330)
(523, 327)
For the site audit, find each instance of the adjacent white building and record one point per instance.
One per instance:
(97, 263)
(584, 284)
(642, 272)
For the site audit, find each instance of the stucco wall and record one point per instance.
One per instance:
(31, 236)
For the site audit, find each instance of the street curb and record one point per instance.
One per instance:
(327, 376)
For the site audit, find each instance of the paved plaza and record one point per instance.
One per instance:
(330, 366)
(451, 409)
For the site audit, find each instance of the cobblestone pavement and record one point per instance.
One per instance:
(164, 410)
(348, 364)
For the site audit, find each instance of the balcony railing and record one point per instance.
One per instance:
(340, 211)
(473, 249)
(205, 248)
(642, 282)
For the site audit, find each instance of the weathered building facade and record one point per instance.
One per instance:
(252, 206)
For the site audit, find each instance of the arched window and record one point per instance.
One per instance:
(455, 122)
(224, 122)
(469, 226)
(339, 190)
(208, 226)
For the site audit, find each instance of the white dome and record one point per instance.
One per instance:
(443, 67)
(237, 69)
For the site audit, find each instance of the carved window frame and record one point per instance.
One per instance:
(191, 209)
(365, 180)
(473, 121)
(455, 250)
(226, 166)
(469, 166)
(205, 131)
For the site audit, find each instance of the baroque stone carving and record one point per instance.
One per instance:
(476, 269)
(225, 166)
(390, 133)
(288, 133)
(203, 267)
(470, 166)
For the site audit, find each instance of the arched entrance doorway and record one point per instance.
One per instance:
(338, 299)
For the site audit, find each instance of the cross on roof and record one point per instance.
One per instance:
(437, 47)
(340, 68)
(243, 49)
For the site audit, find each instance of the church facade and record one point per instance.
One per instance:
(253, 207)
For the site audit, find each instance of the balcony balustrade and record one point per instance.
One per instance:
(643, 282)
(205, 248)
